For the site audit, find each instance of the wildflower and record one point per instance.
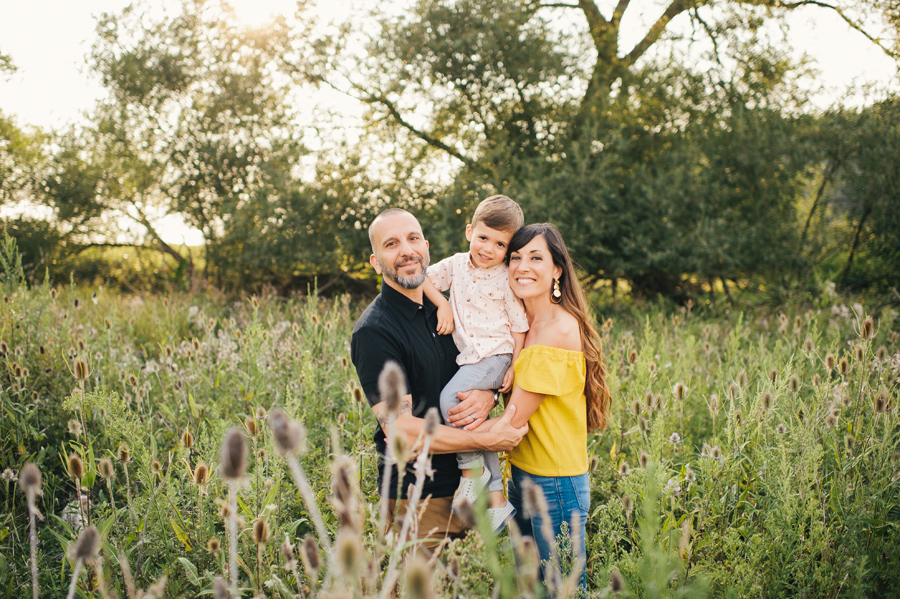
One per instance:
(201, 474)
(868, 329)
(632, 356)
(8, 474)
(289, 436)
(636, 408)
(674, 439)
(672, 484)
(76, 467)
(624, 468)
(106, 469)
(616, 583)
(781, 429)
(418, 579)
(643, 459)
(829, 362)
(678, 391)
(187, 439)
(233, 456)
(844, 367)
(213, 546)
(260, 532)
(391, 386)
(74, 427)
(713, 404)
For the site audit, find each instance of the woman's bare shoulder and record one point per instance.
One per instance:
(561, 332)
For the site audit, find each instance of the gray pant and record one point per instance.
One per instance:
(486, 374)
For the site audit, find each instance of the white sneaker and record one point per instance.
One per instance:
(469, 488)
(500, 516)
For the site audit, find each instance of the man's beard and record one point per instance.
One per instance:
(407, 282)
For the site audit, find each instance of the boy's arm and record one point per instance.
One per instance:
(444, 312)
(510, 376)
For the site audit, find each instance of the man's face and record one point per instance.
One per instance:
(400, 250)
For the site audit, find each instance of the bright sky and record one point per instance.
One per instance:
(49, 39)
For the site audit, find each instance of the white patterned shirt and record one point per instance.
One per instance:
(485, 310)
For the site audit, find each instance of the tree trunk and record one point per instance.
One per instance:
(859, 228)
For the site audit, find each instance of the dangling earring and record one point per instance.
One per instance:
(556, 295)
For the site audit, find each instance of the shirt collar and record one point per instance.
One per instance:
(403, 304)
(482, 272)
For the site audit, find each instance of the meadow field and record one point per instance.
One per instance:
(752, 453)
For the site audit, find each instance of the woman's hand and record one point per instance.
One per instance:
(445, 319)
(473, 409)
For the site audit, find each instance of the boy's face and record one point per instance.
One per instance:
(487, 246)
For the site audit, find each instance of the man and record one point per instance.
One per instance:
(400, 325)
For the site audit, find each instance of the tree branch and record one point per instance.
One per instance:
(620, 9)
(676, 8)
(840, 11)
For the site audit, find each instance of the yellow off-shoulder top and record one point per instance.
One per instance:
(556, 443)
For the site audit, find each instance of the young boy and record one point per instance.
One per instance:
(488, 324)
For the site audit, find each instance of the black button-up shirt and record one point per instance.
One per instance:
(396, 328)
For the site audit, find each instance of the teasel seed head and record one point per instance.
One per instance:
(357, 394)
(844, 367)
(808, 345)
(87, 545)
(213, 546)
(831, 421)
(867, 331)
(74, 427)
(817, 381)
(220, 589)
(715, 452)
(643, 424)
(733, 390)
(53, 294)
(627, 505)
(30, 479)
(251, 426)
(773, 376)
(348, 549)
(533, 499)
(624, 469)
(418, 579)
(289, 436)
(882, 402)
(201, 474)
(794, 384)
(882, 354)
(432, 422)
(287, 552)
(105, 466)
(850, 440)
(766, 402)
(76, 467)
(80, 370)
(123, 453)
(392, 386)
(260, 531)
(714, 404)
(187, 439)
(310, 557)
(829, 362)
(678, 391)
(132, 380)
(616, 583)
(738, 417)
(651, 367)
(400, 447)
(896, 478)
(528, 563)
(690, 476)
(742, 379)
(261, 413)
(343, 489)
(156, 467)
(644, 459)
(233, 456)
(685, 539)
(656, 404)
(858, 353)
(632, 356)
(781, 429)
(636, 408)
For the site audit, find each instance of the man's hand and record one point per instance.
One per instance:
(506, 436)
(472, 410)
(444, 318)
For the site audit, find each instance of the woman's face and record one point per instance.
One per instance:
(531, 269)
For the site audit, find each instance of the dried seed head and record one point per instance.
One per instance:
(733, 390)
(643, 424)
(627, 504)
(220, 588)
(201, 474)
(187, 439)
(156, 467)
(357, 395)
(233, 456)
(533, 499)
(432, 421)
(808, 345)
(87, 545)
(738, 417)
(123, 454)
(76, 467)
(817, 381)
(53, 294)
(636, 408)
(105, 466)
(74, 427)
(400, 447)
(773, 376)
(684, 541)
(310, 556)
(715, 452)
(392, 386)
(831, 421)
(858, 353)
(261, 413)
(30, 479)
(344, 490)
(528, 563)
(651, 367)
(714, 404)
(213, 546)
(261, 531)
(632, 356)
(882, 354)
(196, 343)
(794, 384)
(882, 401)
(850, 440)
(644, 459)
(616, 583)
(624, 468)
(132, 380)
(742, 379)
(348, 550)
(251, 426)
(829, 362)
(290, 436)
(844, 367)
(678, 391)
(418, 579)
(466, 513)
(80, 370)
(453, 567)
(287, 552)
(781, 429)
(766, 402)
(867, 331)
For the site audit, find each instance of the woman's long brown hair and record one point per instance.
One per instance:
(596, 391)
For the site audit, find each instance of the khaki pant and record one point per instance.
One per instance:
(436, 521)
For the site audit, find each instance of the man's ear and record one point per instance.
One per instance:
(374, 262)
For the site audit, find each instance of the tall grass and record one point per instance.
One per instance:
(740, 460)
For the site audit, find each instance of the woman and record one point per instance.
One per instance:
(560, 385)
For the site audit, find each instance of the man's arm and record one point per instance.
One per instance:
(502, 436)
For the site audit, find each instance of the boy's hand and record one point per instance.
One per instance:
(445, 319)
(508, 379)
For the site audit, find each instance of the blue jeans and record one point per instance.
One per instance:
(564, 495)
(485, 374)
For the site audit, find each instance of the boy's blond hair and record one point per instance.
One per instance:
(500, 213)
